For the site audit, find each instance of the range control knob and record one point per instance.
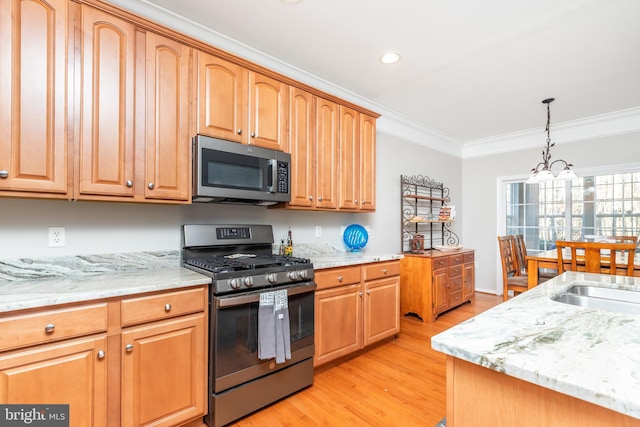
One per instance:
(293, 275)
(304, 274)
(235, 283)
(272, 277)
(248, 282)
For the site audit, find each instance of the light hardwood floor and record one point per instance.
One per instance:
(400, 383)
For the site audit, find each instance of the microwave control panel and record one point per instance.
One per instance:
(283, 177)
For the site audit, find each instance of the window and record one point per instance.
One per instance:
(594, 205)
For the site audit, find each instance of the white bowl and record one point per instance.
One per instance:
(447, 248)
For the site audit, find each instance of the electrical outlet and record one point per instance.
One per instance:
(318, 231)
(56, 237)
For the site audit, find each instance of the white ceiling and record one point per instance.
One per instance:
(470, 69)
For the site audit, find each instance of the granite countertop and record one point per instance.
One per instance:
(40, 282)
(593, 355)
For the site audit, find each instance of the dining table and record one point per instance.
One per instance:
(549, 259)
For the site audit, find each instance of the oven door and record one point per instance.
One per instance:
(234, 335)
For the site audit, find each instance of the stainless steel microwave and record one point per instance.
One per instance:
(230, 172)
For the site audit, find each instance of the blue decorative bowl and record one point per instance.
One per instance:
(355, 237)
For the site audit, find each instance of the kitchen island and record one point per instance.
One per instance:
(532, 361)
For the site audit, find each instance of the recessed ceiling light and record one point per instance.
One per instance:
(390, 58)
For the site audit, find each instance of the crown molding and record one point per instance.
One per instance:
(616, 123)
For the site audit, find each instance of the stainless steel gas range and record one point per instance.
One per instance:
(244, 272)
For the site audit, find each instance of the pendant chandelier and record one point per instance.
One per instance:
(542, 172)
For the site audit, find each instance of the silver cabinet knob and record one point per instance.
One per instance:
(129, 348)
(384, 270)
(167, 307)
(129, 183)
(360, 294)
(239, 131)
(4, 174)
(253, 134)
(363, 202)
(368, 291)
(50, 328)
(310, 197)
(320, 198)
(340, 278)
(101, 354)
(356, 201)
(151, 186)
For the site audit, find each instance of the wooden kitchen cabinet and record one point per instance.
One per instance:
(57, 356)
(164, 358)
(168, 139)
(106, 140)
(123, 362)
(33, 98)
(434, 282)
(355, 306)
(240, 105)
(367, 163)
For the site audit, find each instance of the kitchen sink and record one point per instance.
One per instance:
(609, 299)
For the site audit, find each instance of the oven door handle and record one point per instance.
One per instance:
(225, 302)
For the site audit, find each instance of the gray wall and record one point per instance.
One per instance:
(108, 227)
(480, 193)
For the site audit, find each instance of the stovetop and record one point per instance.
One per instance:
(243, 263)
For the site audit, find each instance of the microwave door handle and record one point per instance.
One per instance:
(272, 175)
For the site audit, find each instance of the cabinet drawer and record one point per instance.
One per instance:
(455, 270)
(455, 283)
(455, 259)
(53, 325)
(161, 306)
(455, 298)
(440, 262)
(468, 257)
(337, 277)
(381, 269)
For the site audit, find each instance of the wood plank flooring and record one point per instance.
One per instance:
(400, 383)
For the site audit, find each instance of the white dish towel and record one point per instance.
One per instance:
(274, 338)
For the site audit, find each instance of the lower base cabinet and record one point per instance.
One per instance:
(355, 306)
(125, 362)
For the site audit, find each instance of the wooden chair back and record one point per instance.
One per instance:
(596, 257)
(521, 253)
(512, 278)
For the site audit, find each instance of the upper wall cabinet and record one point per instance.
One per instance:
(367, 163)
(134, 141)
(240, 105)
(168, 140)
(33, 90)
(106, 143)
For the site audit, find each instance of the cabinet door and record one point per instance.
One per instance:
(168, 143)
(338, 322)
(302, 147)
(164, 372)
(367, 163)
(381, 309)
(441, 291)
(106, 148)
(349, 158)
(33, 90)
(468, 287)
(71, 372)
(326, 154)
(269, 104)
(222, 98)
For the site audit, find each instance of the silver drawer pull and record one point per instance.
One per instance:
(50, 328)
(384, 271)
(340, 278)
(101, 354)
(129, 348)
(4, 174)
(167, 307)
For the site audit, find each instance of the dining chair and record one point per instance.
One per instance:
(521, 256)
(596, 257)
(512, 279)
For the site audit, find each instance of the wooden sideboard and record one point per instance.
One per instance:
(435, 281)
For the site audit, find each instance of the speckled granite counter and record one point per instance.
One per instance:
(40, 282)
(589, 354)
(31, 283)
(325, 256)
